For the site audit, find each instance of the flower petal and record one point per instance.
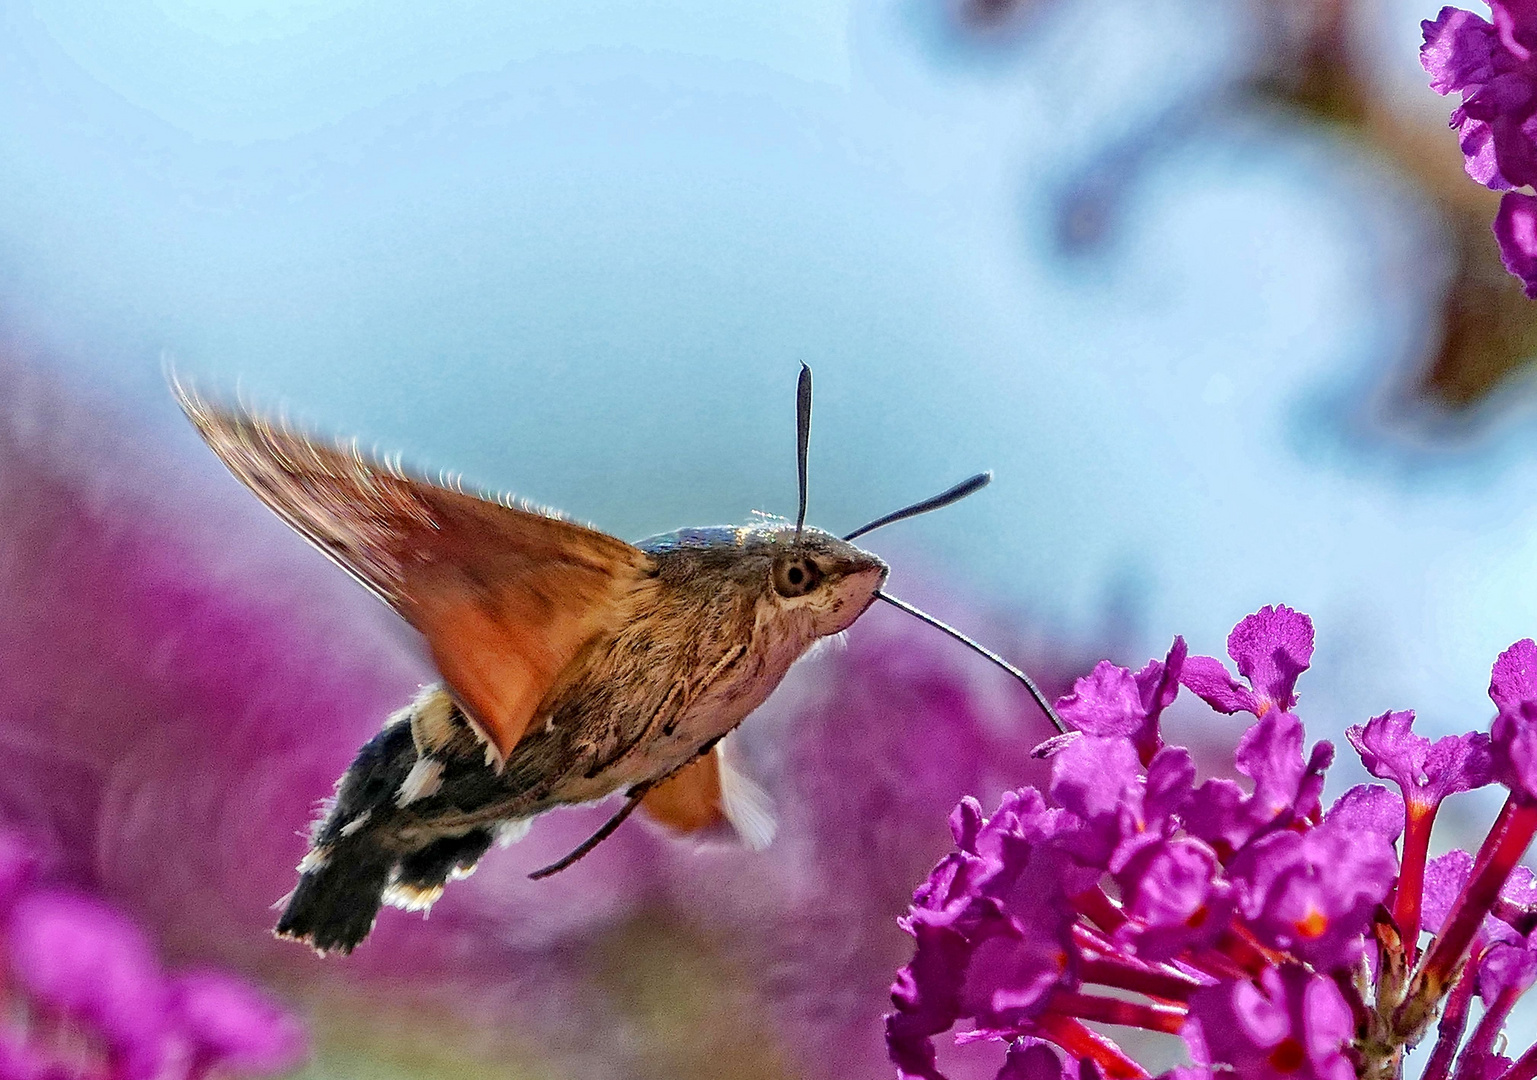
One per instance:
(1457, 50)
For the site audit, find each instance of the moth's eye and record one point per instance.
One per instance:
(796, 577)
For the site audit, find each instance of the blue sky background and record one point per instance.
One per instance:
(577, 251)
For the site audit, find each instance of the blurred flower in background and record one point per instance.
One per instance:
(1320, 63)
(86, 996)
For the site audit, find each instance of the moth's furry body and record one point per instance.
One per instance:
(705, 637)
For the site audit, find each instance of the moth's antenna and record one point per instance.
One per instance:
(944, 498)
(1035, 691)
(802, 440)
(636, 794)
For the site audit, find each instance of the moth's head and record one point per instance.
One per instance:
(803, 586)
(820, 576)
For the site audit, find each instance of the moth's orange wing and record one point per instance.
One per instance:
(505, 595)
(709, 793)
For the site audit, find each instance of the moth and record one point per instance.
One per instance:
(573, 664)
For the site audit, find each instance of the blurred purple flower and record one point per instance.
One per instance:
(77, 964)
(236, 1028)
(181, 682)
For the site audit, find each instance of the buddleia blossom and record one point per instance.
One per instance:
(1276, 936)
(85, 995)
(1493, 67)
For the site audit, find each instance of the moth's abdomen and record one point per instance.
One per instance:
(390, 834)
(351, 860)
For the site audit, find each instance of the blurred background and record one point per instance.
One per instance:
(1201, 280)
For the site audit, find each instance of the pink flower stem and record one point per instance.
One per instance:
(1165, 1018)
(1236, 944)
(1522, 918)
(1524, 1068)
(1495, 860)
(1411, 876)
(1110, 971)
(1488, 1029)
(1497, 830)
(1454, 1020)
(1085, 1043)
(1095, 945)
(1094, 905)
(1218, 965)
(1087, 937)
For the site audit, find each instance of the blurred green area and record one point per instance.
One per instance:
(679, 1006)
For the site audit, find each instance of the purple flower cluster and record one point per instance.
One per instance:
(1493, 67)
(1274, 936)
(85, 996)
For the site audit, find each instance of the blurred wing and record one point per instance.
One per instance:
(708, 793)
(505, 595)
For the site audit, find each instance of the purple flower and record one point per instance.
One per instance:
(1494, 72)
(1458, 50)
(1369, 808)
(983, 927)
(79, 955)
(1513, 687)
(1253, 924)
(1271, 648)
(1444, 878)
(1506, 967)
(1288, 1025)
(1313, 893)
(1101, 781)
(85, 967)
(1425, 772)
(1515, 229)
(1494, 69)
(233, 1027)
(1286, 788)
(1112, 701)
(1177, 899)
(1032, 1059)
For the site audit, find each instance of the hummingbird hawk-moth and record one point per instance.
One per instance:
(573, 664)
